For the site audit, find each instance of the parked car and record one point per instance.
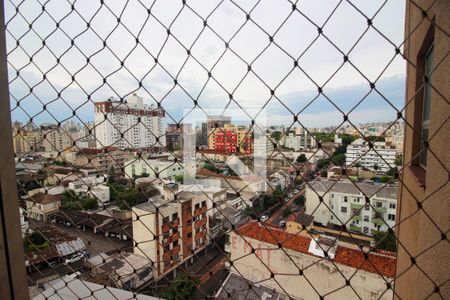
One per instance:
(264, 218)
(76, 257)
(296, 191)
(291, 195)
(282, 223)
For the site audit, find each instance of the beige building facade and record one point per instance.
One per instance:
(423, 267)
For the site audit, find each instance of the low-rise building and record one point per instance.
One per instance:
(345, 203)
(100, 159)
(40, 205)
(380, 157)
(153, 168)
(124, 270)
(296, 266)
(92, 186)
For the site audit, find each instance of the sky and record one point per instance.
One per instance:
(295, 37)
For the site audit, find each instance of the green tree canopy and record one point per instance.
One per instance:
(301, 158)
(385, 241)
(182, 287)
(276, 135)
(338, 159)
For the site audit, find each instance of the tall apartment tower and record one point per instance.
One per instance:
(130, 124)
(212, 122)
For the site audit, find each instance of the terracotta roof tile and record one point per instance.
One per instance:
(382, 262)
(273, 236)
(42, 198)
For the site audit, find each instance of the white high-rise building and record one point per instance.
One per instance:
(129, 124)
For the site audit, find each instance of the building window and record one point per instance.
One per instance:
(378, 204)
(203, 203)
(391, 217)
(426, 106)
(345, 198)
(366, 230)
(366, 218)
(174, 216)
(367, 207)
(165, 220)
(344, 209)
(392, 205)
(189, 235)
(174, 244)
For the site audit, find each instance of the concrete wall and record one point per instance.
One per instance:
(419, 233)
(321, 274)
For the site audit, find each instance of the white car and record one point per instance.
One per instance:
(74, 258)
(282, 223)
(291, 195)
(296, 191)
(264, 218)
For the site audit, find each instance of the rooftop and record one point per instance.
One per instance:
(347, 187)
(237, 287)
(382, 262)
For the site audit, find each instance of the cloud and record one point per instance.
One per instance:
(272, 64)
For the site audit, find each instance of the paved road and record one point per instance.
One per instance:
(278, 215)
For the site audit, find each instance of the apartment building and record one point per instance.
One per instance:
(381, 157)
(424, 206)
(213, 121)
(26, 140)
(346, 204)
(299, 139)
(231, 138)
(169, 229)
(130, 124)
(174, 135)
(296, 267)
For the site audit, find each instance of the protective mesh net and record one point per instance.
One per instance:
(101, 177)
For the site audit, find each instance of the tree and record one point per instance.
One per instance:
(301, 158)
(183, 287)
(111, 174)
(286, 212)
(276, 135)
(322, 163)
(338, 159)
(385, 241)
(399, 160)
(376, 167)
(300, 201)
(392, 171)
(323, 173)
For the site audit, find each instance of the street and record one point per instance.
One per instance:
(278, 215)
